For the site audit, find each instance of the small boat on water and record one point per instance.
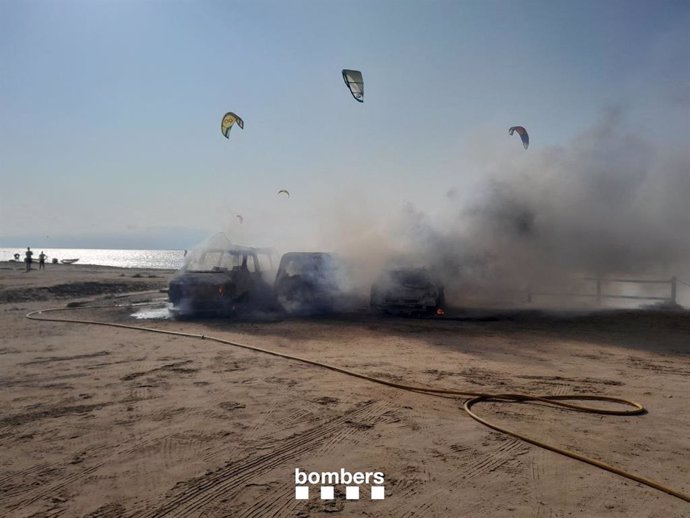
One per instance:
(69, 261)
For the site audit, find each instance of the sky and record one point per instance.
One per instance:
(110, 110)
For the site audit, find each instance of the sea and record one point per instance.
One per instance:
(158, 259)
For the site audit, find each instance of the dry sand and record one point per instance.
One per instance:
(112, 422)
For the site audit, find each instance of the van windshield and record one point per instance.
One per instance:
(308, 264)
(215, 260)
(411, 278)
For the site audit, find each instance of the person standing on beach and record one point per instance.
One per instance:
(42, 261)
(27, 258)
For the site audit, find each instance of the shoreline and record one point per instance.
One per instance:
(20, 265)
(157, 259)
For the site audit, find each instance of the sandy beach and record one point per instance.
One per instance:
(99, 421)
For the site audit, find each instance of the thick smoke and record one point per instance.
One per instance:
(610, 203)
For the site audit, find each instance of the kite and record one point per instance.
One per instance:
(228, 120)
(523, 134)
(284, 191)
(354, 81)
(240, 218)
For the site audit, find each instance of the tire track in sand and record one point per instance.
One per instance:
(420, 498)
(33, 494)
(275, 503)
(226, 482)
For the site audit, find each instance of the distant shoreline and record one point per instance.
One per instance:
(12, 265)
(120, 258)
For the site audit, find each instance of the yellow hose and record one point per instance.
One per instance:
(475, 397)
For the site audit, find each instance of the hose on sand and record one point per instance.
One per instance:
(473, 397)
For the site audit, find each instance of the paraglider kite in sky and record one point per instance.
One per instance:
(355, 82)
(285, 191)
(523, 134)
(228, 120)
(240, 218)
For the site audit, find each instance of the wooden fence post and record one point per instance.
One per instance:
(673, 289)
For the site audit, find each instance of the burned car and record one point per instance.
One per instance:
(309, 282)
(221, 282)
(406, 290)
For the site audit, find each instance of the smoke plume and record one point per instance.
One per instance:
(609, 203)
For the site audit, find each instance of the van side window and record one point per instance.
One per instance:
(249, 262)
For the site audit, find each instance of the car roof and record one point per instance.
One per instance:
(237, 249)
(305, 254)
(407, 269)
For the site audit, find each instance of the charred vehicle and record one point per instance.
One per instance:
(411, 291)
(309, 282)
(221, 282)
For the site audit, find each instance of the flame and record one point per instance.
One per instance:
(440, 312)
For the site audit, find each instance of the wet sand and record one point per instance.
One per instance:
(101, 421)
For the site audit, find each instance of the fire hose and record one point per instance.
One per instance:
(473, 397)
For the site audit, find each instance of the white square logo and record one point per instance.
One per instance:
(377, 492)
(352, 492)
(327, 492)
(301, 492)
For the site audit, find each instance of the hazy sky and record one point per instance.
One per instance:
(110, 110)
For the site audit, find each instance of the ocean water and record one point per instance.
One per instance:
(160, 259)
